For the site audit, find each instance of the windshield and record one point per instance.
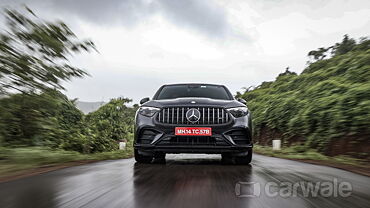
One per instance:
(204, 91)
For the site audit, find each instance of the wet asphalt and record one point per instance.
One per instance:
(187, 181)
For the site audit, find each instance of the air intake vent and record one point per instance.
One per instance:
(207, 116)
(147, 136)
(239, 137)
(193, 141)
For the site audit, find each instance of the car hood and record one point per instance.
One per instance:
(194, 102)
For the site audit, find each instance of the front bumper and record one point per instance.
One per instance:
(193, 149)
(234, 137)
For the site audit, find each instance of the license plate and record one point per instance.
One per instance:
(193, 131)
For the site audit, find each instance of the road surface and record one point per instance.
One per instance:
(185, 181)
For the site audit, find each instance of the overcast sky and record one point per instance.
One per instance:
(144, 44)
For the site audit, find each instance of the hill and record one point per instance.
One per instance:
(326, 107)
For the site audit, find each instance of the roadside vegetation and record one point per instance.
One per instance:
(302, 154)
(324, 110)
(297, 153)
(20, 160)
(39, 125)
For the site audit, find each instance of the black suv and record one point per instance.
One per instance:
(193, 118)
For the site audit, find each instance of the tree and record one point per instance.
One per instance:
(319, 54)
(47, 119)
(287, 72)
(345, 46)
(112, 122)
(341, 48)
(34, 53)
(323, 108)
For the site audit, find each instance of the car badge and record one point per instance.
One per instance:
(193, 115)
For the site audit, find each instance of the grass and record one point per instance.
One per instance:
(14, 161)
(302, 153)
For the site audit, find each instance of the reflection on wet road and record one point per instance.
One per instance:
(184, 181)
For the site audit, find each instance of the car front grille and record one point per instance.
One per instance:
(208, 115)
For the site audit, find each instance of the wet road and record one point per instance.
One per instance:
(186, 181)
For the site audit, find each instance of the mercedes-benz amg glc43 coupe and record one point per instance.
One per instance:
(193, 118)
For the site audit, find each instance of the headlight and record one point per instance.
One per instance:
(148, 111)
(238, 112)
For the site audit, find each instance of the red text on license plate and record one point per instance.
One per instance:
(193, 131)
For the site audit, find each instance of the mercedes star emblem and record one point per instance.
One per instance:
(193, 115)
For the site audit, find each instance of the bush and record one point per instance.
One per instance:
(329, 100)
(50, 119)
(111, 123)
(38, 119)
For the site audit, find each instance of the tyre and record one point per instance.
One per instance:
(244, 160)
(142, 158)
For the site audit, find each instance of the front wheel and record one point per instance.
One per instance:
(142, 158)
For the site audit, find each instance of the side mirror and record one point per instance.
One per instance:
(242, 101)
(144, 100)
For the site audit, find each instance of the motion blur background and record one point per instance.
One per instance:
(71, 73)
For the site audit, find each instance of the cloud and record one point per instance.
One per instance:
(108, 12)
(205, 16)
(238, 43)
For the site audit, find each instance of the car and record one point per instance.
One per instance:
(193, 118)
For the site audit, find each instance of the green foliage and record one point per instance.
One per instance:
(348, 44)
(303, 153)
(34, 53)
(33, 112)
(345, 46)
(17, 160)
(329, 100)
(51, 119)
(111, 123)
(39, 119)
(319, 54)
